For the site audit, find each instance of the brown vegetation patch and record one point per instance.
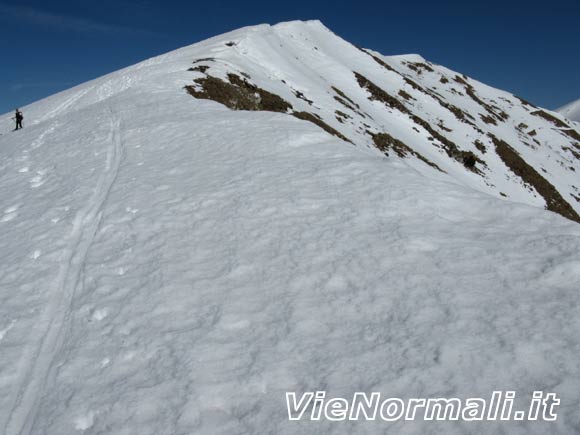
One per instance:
(343, 95)
(441, 125)
(573, 134)
(467, 158)
(380, 62)
(238, 94)
(488, 119)
(554, 201)
(200, 68)
(341, 116)
(457, 112)
(532, 133)
(307, 116)
(348, 106)
(461, 80)
(558, 123)
(380, 95)
(386, 142)
(405, 95)
(480, 146)
(418, 67)
(525, 102)
(205, 59)
(444, 79)
(501, 116)
(550, 118)
(574, 153)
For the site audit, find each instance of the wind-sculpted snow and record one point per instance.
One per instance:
(171, 266)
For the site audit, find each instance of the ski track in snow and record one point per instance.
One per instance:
(62, 107)
(38, 370)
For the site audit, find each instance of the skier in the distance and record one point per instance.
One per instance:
(18, 118)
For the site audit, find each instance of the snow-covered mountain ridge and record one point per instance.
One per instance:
(171, 266)
(403, 105)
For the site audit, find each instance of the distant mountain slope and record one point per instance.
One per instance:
(171, 266)
(571, 110)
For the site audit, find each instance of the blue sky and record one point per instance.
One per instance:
(526, 48)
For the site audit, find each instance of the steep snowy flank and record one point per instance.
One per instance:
(169, 265)
(403, 105)
(571, 111)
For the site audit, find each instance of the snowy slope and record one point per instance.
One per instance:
(479, 136)
(170, 266)
(571, 110)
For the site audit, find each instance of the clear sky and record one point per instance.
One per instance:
(531, 49)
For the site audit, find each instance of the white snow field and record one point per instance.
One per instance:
(571, 110)
(171, 266)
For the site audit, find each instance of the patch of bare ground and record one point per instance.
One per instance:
(386, 143)
(444, 79)
(419, 67)
(574, 153)
(200, 68)
(480, 146)
(378, 94)
(496, 112)
(467, 158)
(488, 119)
(441, 125)
(525, 102)
(405, 95)
(347, 102)
(204, 59)
(457, 112)
(341, 116)
(554, 201)
(565, 128)
(380, 62)
(238, 94)
(307, 116)
(345, 97)
(550, 118)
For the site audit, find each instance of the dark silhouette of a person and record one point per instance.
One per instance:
(18, 117)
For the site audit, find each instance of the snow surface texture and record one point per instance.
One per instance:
(170, 266)
(571, 111)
